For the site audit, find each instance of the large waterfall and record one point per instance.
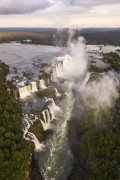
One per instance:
(47, 117)
(30, 136)
(41, 84)
(56, 71)
(55, 161)
(31, 88)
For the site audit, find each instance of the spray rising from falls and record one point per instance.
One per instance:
(53, 72)
(55, 162)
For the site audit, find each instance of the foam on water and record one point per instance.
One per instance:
(55, 161)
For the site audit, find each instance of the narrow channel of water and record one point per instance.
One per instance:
(55, 161)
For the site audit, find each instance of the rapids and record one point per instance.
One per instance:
(56, 160)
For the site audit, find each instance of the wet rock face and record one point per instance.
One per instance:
(35, 172)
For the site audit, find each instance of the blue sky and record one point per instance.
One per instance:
(60, 13)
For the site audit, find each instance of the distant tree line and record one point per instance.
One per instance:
(61, 37)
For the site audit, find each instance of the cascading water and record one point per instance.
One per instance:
(30, 136)
(24, 91)
(42, 84)
(55, 161)
(34, 87)
(46, 120)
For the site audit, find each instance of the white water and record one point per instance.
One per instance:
(27, 90)
(46, 120)
(42, 84)
(55, 161)
(57, 71)
(56, 92)
(24, 91)
(84, 82)
(33, 87)
(30, 136)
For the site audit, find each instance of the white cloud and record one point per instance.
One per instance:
(22, 6)
(60, 13)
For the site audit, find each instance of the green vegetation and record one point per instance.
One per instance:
(49, 93)
(102, 38)
(14, 150)
(60, 38)
(37, 130)
(94, 68)
(4, 69)
(113, 59)
(36, 38)
(98, 148)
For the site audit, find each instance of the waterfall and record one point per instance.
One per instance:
(48, 116)
(44, 117)
(55, 161)
(33, 87)
(45, 125)
(57, 69)
(56, 92)
(84, 82)
(63, 63)
(41, 84)
(30, 136)
(54, 74)
(53, 106)
(46, 120)
(24, 91)
(51, 112)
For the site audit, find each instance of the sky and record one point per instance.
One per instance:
(60, 13)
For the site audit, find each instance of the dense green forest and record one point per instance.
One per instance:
(103, 38)
(112, 59)
(95, 139)
(22, 37)
(95, 136)
(14, 150)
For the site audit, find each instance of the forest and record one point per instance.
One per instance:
(22, 37)
(61, 37)
(103, 38)
(95, 136)
(14, 150)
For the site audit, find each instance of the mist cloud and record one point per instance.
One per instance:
(79, 59)
(22, 6)
(101, 93)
